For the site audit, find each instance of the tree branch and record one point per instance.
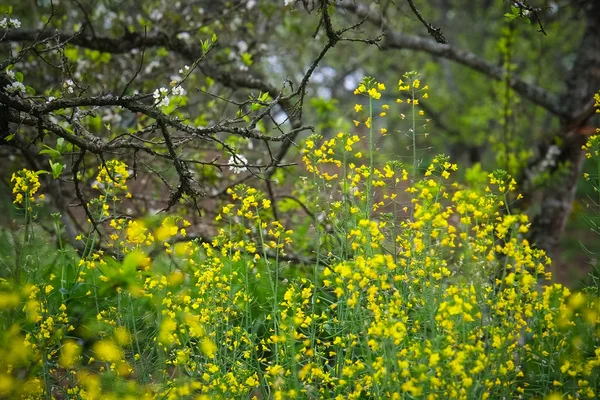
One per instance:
(436, 33)
(397, 40)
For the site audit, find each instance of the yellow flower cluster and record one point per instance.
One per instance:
(371, 88)
(592, 147)
(25, 185)
(112, 178)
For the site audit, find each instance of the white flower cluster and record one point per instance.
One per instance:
(10, 23)
(238, 163)
(69, 85)
(161, 96)
(185, 36)
(16, 86)
(178, 91)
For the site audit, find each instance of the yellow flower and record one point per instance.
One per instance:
(209, 348)
(70, 352)
(107, 351)
(360, 89)
(374, 94)
(26, 184)
(358, 107)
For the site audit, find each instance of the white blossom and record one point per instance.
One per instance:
(243, 46)
(10, 73)
(69, 85)
(238, 164)
(15, 87)
(185, 36)
(184, 70)
(156, 15)
(179, 91)
(164, 102)
(160, 95)
(9, 23)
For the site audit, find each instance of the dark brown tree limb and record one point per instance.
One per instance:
(435, 33)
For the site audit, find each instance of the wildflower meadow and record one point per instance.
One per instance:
(411, 284)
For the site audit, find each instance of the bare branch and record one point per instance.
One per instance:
(436, 33)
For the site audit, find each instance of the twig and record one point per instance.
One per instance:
(436, 33)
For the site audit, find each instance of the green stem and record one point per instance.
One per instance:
(414, 149)
(371, 167)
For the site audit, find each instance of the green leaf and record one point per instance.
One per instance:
(51, 152)
(19, 77)
(56, 168)
(132, 261)
(247, 59)
(72, 53)
(214, 38)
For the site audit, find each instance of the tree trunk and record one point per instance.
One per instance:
(565, 155)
